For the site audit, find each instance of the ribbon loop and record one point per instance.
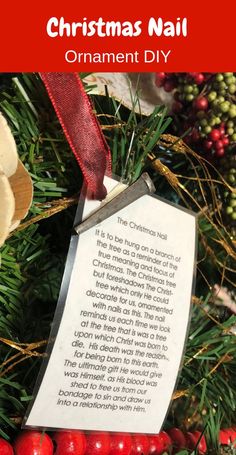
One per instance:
(80, 127)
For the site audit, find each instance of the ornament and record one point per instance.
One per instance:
(121, 444)
(75, 442)
(98, 443)
(33, 443)
(8, 151)
(22, 188)
(232, 434)
(70, 442)
(178, 439)
(16, 187)
(5, 447)
(140, 444)
(7, 207)
(202, 447)
(192, 439)
(167, 442)
(156, 445)
(224, 437)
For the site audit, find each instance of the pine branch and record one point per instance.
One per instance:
(54, 207)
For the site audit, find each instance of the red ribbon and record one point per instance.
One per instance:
(81, 128)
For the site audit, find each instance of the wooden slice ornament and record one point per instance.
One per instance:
(8, 150)
(22, 188)
(7, 206)
(16, 188)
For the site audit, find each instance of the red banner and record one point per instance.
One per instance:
(108, 36)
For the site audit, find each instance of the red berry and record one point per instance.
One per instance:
(177, 437)
(98, 443)
(191, 440)
(177, 106)
(140, 444)
(207, 144)
(199, 78)
(5, 447)
(70, 442)
(202, 447)
(220, 152)
(219, 144)
(201, 103)
(160, 79)
(166, 440)
(222, 131)
(214, 135)
(156, 445)
(232, 434)
(33, 442)
(225, 141)
(195, 135)
(121, 444)
(169, 86)
(224, 438)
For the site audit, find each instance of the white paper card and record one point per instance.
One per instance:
(117, 353)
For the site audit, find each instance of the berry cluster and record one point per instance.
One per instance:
(217, 140)
(205, 103)
(185, 86)
(230, 196)
(102, 443)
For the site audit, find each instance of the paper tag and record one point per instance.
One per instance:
(119, 346)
